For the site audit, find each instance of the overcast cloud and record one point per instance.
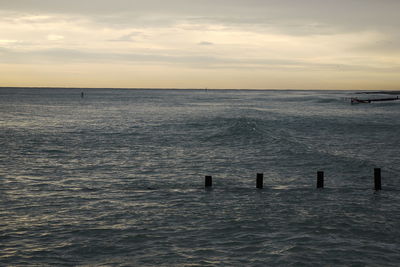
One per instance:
(345, 40)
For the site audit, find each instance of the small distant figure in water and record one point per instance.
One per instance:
(82, 94)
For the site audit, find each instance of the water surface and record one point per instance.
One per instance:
(117, 178)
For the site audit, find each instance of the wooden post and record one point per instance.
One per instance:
(320, 179)
(259, 182)
(377, 179)
(208, 181)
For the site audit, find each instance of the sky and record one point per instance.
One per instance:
(234, 44)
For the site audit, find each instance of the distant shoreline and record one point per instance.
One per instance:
(381, 92)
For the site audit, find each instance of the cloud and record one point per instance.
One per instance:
(8, 41)
(263, 35)
(55, 37)
(302, 16)
(387, 45)
(205, 43)
(69, 56)
(127, 37)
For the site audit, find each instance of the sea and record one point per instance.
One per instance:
(116, 177)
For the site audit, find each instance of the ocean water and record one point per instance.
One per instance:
(116, 178)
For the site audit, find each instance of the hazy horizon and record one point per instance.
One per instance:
(198, 89)
(171, 88)
(305, 44)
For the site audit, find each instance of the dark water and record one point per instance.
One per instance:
(117, 178)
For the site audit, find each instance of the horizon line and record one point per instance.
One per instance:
(200, 89)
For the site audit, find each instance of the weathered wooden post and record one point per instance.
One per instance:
(377, 179)
(320, 179)
(260, 182)
(208, 181)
